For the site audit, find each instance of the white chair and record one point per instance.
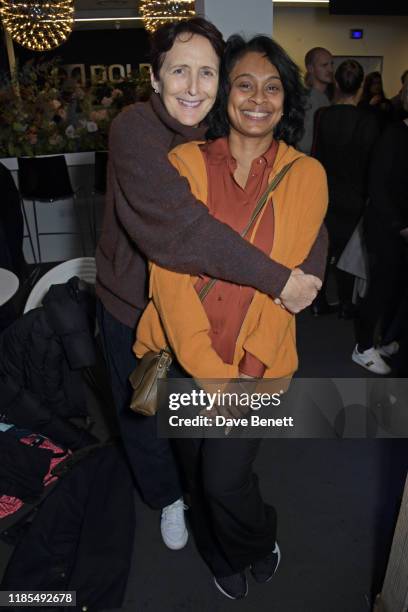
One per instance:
(83, 267)
(9, 284)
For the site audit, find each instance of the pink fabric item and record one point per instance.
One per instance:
(10, 505)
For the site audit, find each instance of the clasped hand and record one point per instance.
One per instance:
(299, 291)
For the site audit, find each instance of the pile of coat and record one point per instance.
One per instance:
(41, 358)
(70, 543)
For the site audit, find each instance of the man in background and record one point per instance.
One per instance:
(319, 80)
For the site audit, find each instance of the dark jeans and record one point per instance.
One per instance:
(151, 458)
(232, 525)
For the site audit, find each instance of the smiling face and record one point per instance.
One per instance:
(188, 80)
(255, 102)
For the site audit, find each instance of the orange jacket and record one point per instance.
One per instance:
(175, 315)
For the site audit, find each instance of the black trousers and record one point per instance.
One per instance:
(340, 231)
(151, 458)
(232, 525)
(388, 284)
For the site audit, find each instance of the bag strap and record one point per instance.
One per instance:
(204, 291)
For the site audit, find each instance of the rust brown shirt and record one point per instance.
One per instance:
(227, 303)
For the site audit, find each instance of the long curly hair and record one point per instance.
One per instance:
(290, 127)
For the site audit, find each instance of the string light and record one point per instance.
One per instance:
(39, 25)
(158, 12)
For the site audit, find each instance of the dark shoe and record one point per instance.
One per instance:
(322, 309)
(263, 570)
(347, 311)
(234, 587)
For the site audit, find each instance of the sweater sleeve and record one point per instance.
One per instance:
(186, 325)
(315, 263)
(313, 195)
(160, 213)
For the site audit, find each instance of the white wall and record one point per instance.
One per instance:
(298, 29)
(246, 17)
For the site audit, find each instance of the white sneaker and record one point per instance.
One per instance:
(388, 350)
(173, 526)
(371, 360)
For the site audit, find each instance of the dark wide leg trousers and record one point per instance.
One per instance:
(151, 458)
(232, 525)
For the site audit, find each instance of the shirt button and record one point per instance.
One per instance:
(219, 298)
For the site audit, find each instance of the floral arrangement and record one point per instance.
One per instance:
(44, 112)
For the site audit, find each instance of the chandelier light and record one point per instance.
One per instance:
(158, 12)
(38, 25)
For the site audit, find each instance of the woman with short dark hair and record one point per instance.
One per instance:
(345, 135)
(149, 212)
(235, 331)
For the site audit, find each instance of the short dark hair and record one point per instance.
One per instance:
(290, 127)
(164, 38)
(349, 76)
(404, 76)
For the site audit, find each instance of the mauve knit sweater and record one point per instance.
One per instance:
(151, 214)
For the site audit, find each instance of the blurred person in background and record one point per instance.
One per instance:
(399, 110)
(319, 81)
(386, 236)
(345, 135)
(374, 100)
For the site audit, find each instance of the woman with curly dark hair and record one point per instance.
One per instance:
(236, 331)
(290, 125)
